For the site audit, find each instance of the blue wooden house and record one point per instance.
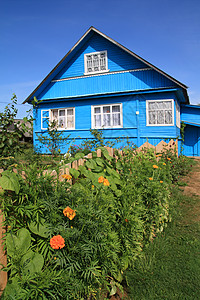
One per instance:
(100, 84)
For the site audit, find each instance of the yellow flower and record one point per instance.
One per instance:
(101, 179)
(155, 167)
(161, 181)
(106, 182)
(68, 177)
(164, 164)
(150, 178)
(92, 186)
(69, 213)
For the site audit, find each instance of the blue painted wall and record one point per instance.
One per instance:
(134, 126)
(191, 114)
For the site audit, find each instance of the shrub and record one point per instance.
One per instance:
(89, 232)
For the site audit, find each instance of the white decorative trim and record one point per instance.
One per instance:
(102, 74)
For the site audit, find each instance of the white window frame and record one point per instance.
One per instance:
(98, 54)
(101, 114)
(42, 117)
(178, 115)
(161, 100)
(51, 117)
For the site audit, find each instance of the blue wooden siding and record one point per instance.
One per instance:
(134, 126)
(104, 84)
(191, 114)
(191, 145)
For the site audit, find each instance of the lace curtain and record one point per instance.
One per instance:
(160, 112)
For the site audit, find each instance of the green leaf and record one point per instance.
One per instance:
(9, 181)
(18, 243)
(32, 262)
(38, 229)
(75, 173)
(91, 164)
(105, 153)
(99, 161)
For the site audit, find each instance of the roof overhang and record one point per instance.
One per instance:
(191, 123)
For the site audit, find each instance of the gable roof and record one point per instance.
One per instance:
(76, 47)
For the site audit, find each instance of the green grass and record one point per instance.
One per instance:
(170, 266)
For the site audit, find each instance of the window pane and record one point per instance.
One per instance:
(61, 122)
(70, 121)
(106, 120)
(97, 110)
(116, 119)
(116, 108)
(55, 114)
(152, 117)
(70, 112)
(152, 105)
(45, 114)
(45, 123)
(160, 117)
(97, 120)
(106, 109)
(168, 117)
(62, 112)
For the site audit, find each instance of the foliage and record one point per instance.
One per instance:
(91, 144)
(112, 211)
(10, 133)
(54, 139)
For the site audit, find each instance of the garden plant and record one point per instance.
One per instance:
(75, 237)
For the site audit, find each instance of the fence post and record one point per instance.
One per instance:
(3, 260)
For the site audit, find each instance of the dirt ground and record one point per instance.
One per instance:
(193, 189)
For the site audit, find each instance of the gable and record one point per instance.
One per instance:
(118, 60)
(126, 72)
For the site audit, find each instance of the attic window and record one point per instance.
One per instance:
(96, 62)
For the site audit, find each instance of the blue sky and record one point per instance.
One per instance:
(35, 35)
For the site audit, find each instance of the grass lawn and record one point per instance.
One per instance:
(170, 267)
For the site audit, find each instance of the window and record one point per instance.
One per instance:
(160, 112)
(107, 116)
(96, 62)
(65, 118)
(178, 118)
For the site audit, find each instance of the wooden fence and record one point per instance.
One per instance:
(162, 146)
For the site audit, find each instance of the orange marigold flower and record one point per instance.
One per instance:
(68, 177)
(126, 220)
(158, 155)
(168, 158)
(155, 167)
(92, 186)
(106, 182)
(57, 242)
(101, 179)
(69, 213)
(150, 178)
(164, 164)
(161, 181)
